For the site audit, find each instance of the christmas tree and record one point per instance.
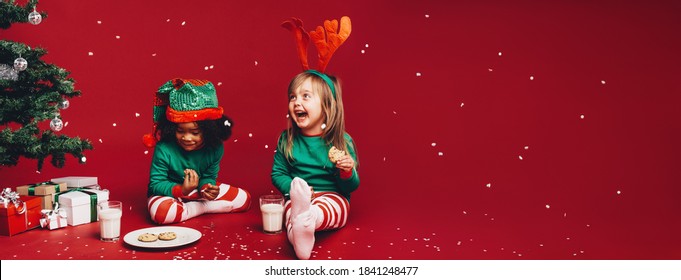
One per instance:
(33, 93)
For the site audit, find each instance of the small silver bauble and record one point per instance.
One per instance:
(56, 124)
(20, 64)
(64, 104)
(35, 18)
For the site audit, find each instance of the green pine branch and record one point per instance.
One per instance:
(32, 99)
(11, 13)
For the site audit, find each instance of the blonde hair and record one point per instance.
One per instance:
(332, 110)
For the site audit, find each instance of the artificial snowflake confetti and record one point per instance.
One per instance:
(520, 157)
(90, 53)
(548, 206)
(99, 22)
(118, 37)
(581, 116)
(531, 78)
(433, 144)
(183, 23)
(489, 185)
(619, 192)
(418, 74)
(499, 53)
(602, 82)
(114, 124)
(137, 115)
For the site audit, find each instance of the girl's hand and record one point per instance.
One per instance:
(345, 163)
(191, 181)
(211, 192)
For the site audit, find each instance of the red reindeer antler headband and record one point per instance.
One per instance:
(326, 39)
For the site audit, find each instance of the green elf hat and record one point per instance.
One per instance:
(181, 101)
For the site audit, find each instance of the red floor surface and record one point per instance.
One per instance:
(485, 129)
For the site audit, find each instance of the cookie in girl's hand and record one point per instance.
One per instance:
(335, 154)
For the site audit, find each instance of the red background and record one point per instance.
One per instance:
(498, 88)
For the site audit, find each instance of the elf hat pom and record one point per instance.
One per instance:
(184, 100)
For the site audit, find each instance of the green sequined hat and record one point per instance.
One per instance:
(184, 100)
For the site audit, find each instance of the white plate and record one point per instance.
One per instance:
(184, 236)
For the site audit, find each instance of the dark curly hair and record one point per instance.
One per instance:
(214, 131)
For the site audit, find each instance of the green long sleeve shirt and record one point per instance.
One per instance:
(311, 163)
(170, 161)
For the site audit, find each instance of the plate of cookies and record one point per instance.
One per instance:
(162, 237)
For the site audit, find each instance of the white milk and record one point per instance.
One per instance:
(110, 223)
(272, 217)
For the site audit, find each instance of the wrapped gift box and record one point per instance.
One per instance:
(81, 205)
(45, 191)
(14, 221)
(54, 219)
(78, 182)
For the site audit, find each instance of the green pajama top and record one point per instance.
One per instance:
(169, 162)
(311, 163)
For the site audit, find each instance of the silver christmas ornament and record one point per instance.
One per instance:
(56, 124)
(20, 64)
(64, 104)
(35, 18)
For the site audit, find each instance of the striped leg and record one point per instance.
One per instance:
(331, 211)
(168, 210)
(230, 200)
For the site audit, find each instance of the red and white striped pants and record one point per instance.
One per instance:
(168, 210)
(334, 208)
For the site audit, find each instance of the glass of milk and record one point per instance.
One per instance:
(110, 213)
(272, 208)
